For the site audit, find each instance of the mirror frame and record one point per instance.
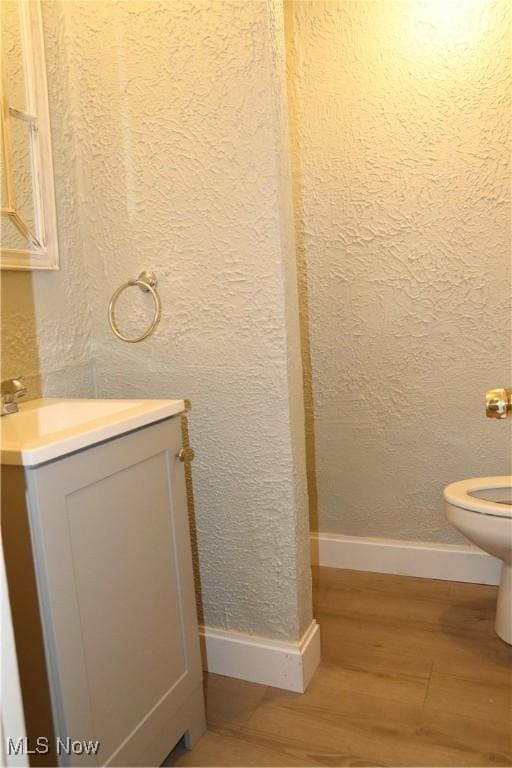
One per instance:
(43, 250)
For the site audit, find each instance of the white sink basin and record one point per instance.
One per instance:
(46, 429)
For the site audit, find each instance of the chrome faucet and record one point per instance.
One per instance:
(11, 391)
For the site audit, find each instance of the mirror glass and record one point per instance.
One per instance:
(28, 232)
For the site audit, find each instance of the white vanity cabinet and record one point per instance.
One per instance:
(113, 569)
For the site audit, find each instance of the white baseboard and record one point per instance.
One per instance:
(262, 660)
(451, 562)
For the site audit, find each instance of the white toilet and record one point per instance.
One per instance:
(481, 509)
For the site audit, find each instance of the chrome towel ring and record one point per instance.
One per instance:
(146, 281)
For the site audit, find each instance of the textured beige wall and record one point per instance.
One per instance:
(401, 135)
(175, 121)
(45, 333)
(18, 351)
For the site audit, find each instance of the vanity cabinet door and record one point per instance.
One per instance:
(112, 550)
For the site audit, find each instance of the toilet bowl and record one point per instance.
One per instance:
(481, 509)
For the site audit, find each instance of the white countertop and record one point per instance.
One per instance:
(48, 428)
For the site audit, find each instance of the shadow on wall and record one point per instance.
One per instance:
(192, 518)
(18, 333)
(302, 277)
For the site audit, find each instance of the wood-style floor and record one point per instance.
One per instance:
(412, 674)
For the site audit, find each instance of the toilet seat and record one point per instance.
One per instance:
(459, 494)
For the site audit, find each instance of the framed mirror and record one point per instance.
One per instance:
(27, 205)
